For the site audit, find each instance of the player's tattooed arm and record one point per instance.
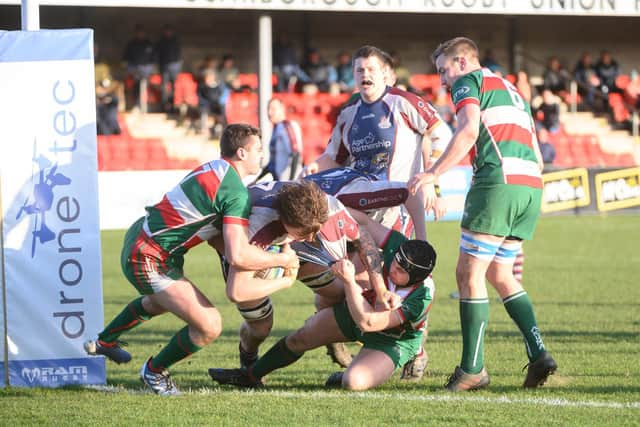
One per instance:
(370, 257)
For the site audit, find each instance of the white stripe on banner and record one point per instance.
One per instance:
(51, 238)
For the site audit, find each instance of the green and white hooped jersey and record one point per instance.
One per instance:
(195, 210)
(504, 151)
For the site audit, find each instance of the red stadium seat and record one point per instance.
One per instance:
(620, 112)
(186, 90)
(251, 80)
(622, 81)
(428, 83)
(243, 108)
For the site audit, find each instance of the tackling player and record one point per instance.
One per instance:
(291, 211)
(390, 338)
(209, 201)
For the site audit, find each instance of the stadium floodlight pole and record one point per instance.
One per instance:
(30, 12)
(265, 71)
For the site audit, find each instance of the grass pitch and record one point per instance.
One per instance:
(581, 273)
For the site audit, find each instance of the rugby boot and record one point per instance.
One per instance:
(340, 354)
(462, 381)
(111, 351)
(159, 382)
(334, 380)
(236, 377)
(414, 369)
(539, 370)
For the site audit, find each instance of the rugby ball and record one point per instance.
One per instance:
(274, 272)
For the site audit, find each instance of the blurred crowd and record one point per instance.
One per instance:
(312, 72)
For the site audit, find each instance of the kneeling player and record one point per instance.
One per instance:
(390, 337)
(284, 212)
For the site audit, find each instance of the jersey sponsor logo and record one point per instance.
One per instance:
(384, 123)
(380, 159)
(460, 92)
(388, 199)
(369, 142)
(368, 116)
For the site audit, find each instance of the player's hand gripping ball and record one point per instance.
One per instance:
(274, 272)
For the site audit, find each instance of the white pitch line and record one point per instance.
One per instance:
(499, 400)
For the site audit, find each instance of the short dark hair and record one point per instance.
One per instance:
(454, 47)
(234, 137)
(367, 51)
(302, 205)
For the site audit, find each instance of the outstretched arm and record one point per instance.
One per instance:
(323, 162)
(464, 138)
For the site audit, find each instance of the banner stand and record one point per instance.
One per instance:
(5, 353)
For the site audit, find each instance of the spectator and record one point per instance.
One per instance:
(547, 150)
(632, 90)
(587, 79)
(139, 56)
(555, 77)
(228, 73)
(344, 71)
(489, 61)
(523, 86)
(285, 64)
(547, 124)
(318, 72)
(548, 114)
(169, 63)
(285, 147)
(607, 70)
(212, 99)
(107, 99)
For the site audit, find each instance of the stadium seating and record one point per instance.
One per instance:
(250, 80)
(622, 81)
(125, 152)
(618, 108)
(316, 115)
(575, 150)
(426, 83)
(242, 108)
(186, 90)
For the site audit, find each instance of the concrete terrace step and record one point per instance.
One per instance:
(179, 142)
(585, 123)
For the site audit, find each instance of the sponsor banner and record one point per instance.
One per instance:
(56, 372)
(500, 7)
(454, 185)
(51, 238)
(617, 189)
(566, 189)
